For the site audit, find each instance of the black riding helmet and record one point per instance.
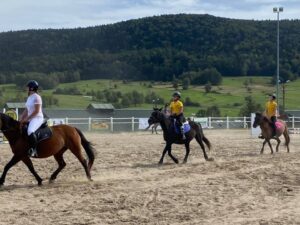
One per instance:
(32, 85)
(177, 94)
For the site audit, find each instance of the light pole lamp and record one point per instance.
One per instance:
(277, 10)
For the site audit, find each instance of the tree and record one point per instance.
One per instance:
(213, 111)
(207, 87)
(250, 106)
(186, 83)
(137, 98)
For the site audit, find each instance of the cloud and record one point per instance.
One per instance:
(32, 14)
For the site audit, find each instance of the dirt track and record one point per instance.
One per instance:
(239, 187)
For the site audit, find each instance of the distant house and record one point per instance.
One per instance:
(103, 109)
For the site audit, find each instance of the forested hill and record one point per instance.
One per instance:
(154, 48)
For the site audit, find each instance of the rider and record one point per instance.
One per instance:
(176, 110)
(33, 114)
(271, 108)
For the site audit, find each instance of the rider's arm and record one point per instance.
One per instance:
(37, 108)
(24, 114)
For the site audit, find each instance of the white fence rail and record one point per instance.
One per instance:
(136, 124)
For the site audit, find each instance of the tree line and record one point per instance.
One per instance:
(158, 48)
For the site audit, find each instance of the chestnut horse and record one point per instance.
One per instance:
(267, 131)
(63, 137)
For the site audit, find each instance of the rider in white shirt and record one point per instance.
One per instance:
(33, 114)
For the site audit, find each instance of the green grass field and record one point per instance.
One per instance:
(228, 97)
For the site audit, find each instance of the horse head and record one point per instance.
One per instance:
(8, 123)
(156, 116)
(258, 119)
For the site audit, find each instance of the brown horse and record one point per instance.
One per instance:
(64, 137)
(267, 132)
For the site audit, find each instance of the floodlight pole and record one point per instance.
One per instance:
(277, 10)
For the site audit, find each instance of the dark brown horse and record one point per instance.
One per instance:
(171, 137)
(267, 131)
(64, 137)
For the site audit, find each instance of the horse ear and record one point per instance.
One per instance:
(155, 109)
(160, 109)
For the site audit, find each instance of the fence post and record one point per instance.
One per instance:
(111, 124)
(293, 122)
(245, 122)
(90, 123)
(209, 122)
(67, 120)
(227, 122)
(132, 124)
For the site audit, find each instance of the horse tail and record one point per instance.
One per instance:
(200, 135)
(88, 148)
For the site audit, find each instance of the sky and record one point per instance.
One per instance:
(41, 14)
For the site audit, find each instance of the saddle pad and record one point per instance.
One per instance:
(186, 128)
(43, 133)
(278, 125)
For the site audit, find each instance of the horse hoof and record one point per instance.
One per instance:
(184, 162)
(210, 159)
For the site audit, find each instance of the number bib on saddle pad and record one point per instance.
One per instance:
(186, 127)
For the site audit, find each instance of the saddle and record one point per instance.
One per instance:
(42, 133)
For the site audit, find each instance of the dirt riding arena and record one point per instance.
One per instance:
(239, 187)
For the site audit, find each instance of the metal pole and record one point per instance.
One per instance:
(277, 79)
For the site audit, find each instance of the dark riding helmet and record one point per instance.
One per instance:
(177, 94)
(273, 96)
(32, 85)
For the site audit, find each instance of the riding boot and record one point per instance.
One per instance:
(274, 129)
(32, 145)
(182, 133)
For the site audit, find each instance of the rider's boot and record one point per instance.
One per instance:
(182, 133)
(274, 129)
(32, 145)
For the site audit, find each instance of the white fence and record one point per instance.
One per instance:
(137, 124)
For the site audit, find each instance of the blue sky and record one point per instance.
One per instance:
(37, 14)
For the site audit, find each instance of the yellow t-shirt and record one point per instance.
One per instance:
(176, 107)
(271, 107)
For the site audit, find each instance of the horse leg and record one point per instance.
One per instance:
(199, 140)
(77, 152)
(14, 160)
(269, 143)
(263, 146)
(61, 164)
(187, 151)
(287, 139)
(170, 154)
(163, 154)
(27, 161)
(278, 143)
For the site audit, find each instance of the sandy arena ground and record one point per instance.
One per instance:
(239, 187)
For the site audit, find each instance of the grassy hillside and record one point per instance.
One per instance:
(229, 96)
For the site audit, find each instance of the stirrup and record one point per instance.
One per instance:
(32, 152)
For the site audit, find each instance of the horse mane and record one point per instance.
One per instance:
(266, 119)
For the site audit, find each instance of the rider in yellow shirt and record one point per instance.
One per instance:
(271, 109)
(176, 109)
